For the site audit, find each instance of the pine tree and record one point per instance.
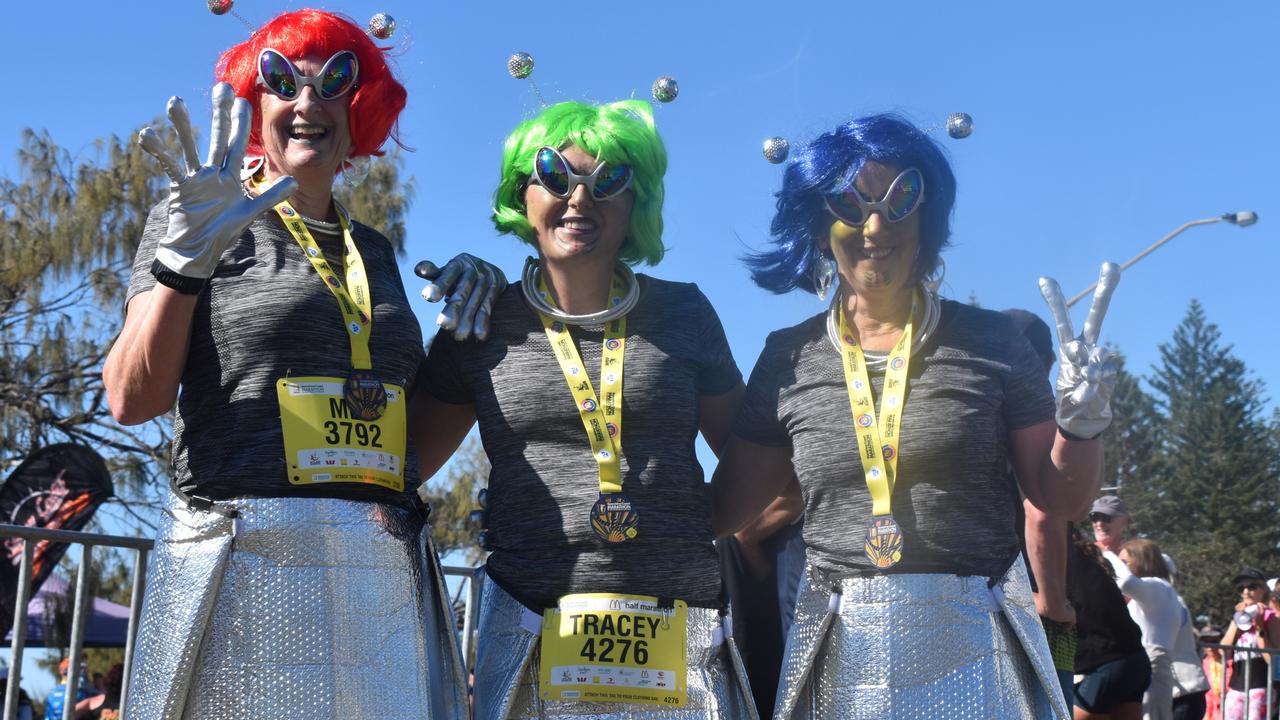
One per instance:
(1213, 502)
(1129, 455)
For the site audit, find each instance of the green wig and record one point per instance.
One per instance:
(619, 133)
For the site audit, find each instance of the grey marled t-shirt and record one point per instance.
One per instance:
(266, 315)
(544, 478)
(975, 381)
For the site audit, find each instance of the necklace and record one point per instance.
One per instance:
(324, 226)
(878, 360)
(531, 277)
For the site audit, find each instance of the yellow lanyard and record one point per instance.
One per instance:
(602, 421)
(357, 304)
(878, 440)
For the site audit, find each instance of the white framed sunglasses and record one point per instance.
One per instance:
(337, 78)
(556, 176)
(904, 195)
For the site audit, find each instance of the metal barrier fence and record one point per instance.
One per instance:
(87, 541)
(1249, 681)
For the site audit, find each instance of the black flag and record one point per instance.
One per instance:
(57, 487)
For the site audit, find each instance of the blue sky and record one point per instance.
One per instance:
(1100, 126)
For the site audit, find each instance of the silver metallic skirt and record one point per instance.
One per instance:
(918, 646)
(507, 656)
(305, 608)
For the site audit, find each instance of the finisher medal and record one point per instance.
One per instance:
(884, 542)
(365, 395)
(613, 519)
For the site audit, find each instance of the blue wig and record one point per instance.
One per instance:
(829, 164)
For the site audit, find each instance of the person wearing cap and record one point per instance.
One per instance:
(1212, 664)
(1254, 625)
(1109, 517)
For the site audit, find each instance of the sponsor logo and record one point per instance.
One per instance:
(611, 377)
(575, 370)
(892, 400)
(313, 252)
(287, 211)
(897, 363)
(888, 452)
(865, 420)
(874, 473)
(613, 343)
(604, 454)
(588, 404)
(355, 328)
(557, 326)
(333, 281)
(858, 384)
(613, 429)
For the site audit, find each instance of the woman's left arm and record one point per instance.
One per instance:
(1059, 464)
(1059, 475)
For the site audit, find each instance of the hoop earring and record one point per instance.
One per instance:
(824, 272)
(933, 280)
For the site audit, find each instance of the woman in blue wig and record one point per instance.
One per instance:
(911, 423)
(602, 589)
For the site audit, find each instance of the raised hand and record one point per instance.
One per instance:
(1086, 372)
(468, 286)
(208, 209)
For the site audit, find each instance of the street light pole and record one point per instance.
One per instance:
(1243, 219)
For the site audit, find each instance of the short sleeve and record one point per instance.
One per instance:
(440, 374)
(719, 373)
(1028, 398)
(758, 418)
(141, 280)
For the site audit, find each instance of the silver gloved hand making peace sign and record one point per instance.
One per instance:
(468, 285)
(1086, 371)
(208, 209)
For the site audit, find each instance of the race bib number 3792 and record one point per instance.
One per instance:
(603, 647)
(325, 443)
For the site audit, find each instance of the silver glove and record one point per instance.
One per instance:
(208, 209)
(468, 285)
(1086, 371)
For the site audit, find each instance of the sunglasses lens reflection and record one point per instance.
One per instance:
(904, 196)
(339, 76)
(278, 74)
(845, 206)
(612, 180)
(551, 172)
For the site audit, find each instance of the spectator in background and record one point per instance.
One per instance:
(25, 711)
(1254, 625)
(1190, 685)
(1109, 517)
(57, 698)
(1109, 654)
(1155, 607)
(106, 705)
(1212, 664)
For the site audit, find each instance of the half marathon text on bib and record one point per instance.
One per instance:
(605, 647)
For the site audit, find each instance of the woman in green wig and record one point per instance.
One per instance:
(602, 594)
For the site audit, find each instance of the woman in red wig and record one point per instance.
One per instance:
(294, 575)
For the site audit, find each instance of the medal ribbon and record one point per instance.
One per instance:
(602, 421)
(356, 305)
(878, 440)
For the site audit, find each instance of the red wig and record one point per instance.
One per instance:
(377, 100)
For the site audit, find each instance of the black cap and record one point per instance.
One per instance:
(1249, 574)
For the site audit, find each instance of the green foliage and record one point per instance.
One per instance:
(381, 199)
(452, 500)
(68, 231)
(1198, 461)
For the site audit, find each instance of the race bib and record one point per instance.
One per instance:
(602, 647)
(324, 443)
